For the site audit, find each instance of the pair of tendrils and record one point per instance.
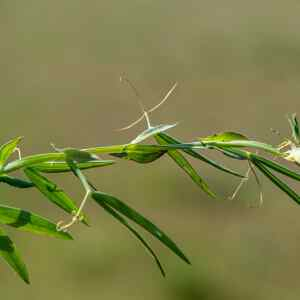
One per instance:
(290, 155)
(145, 113)
(244, 180)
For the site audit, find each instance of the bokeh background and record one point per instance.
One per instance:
(238, 68)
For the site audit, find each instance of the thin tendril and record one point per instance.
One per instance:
(164, 99)
(261, 200)
(145, 112)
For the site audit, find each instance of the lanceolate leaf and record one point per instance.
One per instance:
(11, 255)
(171, 140)
(51, 191)
(16, 182)
(133, 215)
(276, 166)
(151, 132)
(118, 217)
(27, 221)
(233, 152)
(7, 149)
(266, 162)
(61, 166)
(183, 163)
(279, 183)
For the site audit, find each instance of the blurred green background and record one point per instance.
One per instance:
(238, 68)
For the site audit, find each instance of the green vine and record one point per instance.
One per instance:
(36, 167)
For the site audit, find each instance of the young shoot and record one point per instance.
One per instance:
(244, 180)
(293, 154)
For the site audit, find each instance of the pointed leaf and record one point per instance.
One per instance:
(150, 132)
(229, 153)
(27, 221)
(183, 163)
(278, 182)
(133, 215)
(16, 182)
(7, 149)
(117, 216)
(11, 255)
(61, 166)
(52, 192)
(233, 152)
(276, 166)
(171, 140)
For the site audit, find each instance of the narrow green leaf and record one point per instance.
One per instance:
(139, 154)
(140, 220)
(269, 163)
(295, 128)
(228, 152)
(27, 221)
(233, 152)
(279, 183)
(276, 166)
(61, 166)
(171, 140)
(16, 182)
(52, 192)
(118, 217)
(7, 149)
(183, 163)
(10, 254)
(151, 132)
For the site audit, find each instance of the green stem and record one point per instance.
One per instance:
(60, 156)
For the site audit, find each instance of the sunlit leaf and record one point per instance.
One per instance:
(118, 217)
(61, 166)
(16, 182)
(136, 217)
(224, 137)
(11, 255)
(27, 221)
(151, 132)
(7, 149)
(183, 163)
(52, 192)
(171, 140)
